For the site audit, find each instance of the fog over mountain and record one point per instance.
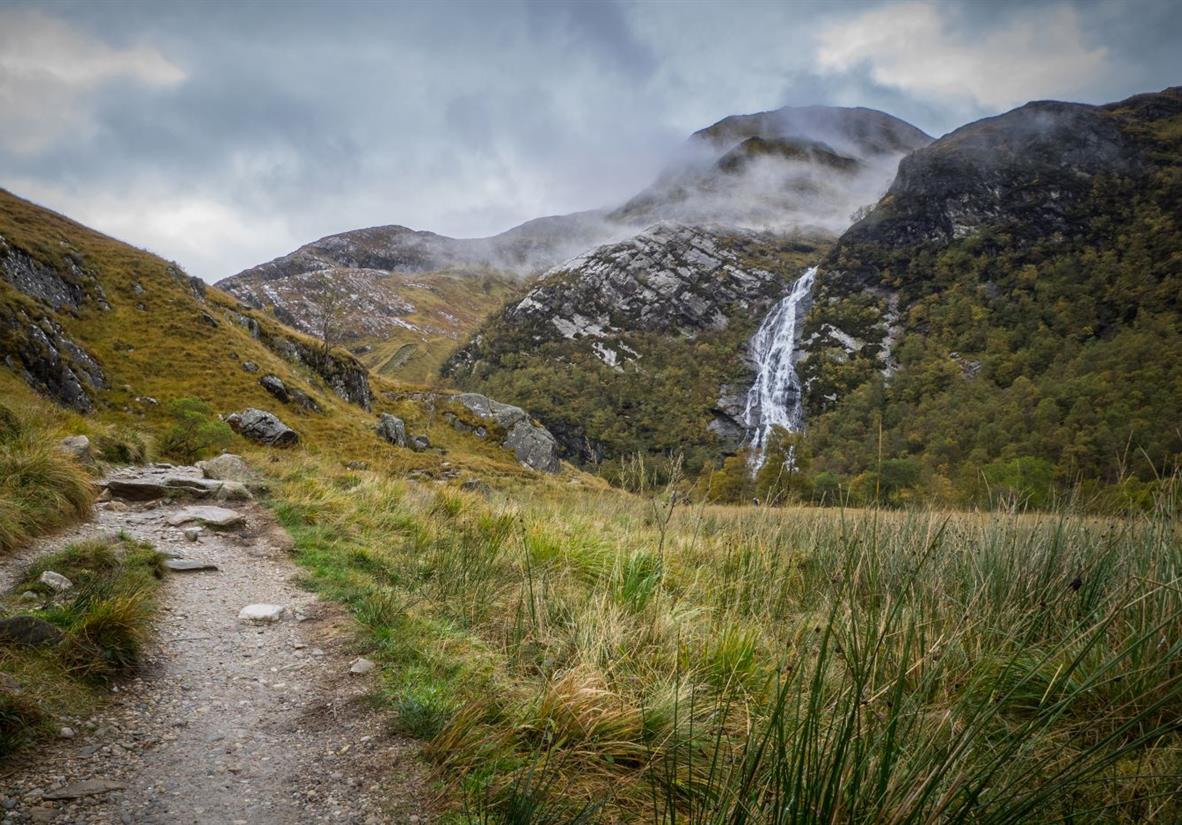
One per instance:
(223, 134)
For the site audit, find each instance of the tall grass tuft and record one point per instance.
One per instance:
(41, 488)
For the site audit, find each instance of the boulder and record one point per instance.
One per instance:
(227, 467)
(303, 400)
(262, 427)
(250, 366)
(274, 385)
(419, 443)
(232, 491)
(78, 448)
(29, 631)
(533, 444)
(55, 581)
(392, 429)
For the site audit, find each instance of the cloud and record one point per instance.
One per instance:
(916, 47)
(197, 230)
(47, 70)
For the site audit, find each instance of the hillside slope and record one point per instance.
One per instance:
(118, 334)
(1010, 310)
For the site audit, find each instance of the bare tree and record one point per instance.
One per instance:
(329, 312)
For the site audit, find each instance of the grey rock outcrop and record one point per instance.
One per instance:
(38, 348)
(78, 448)
(262, 427)
(533, 444)
(392, 429)
(274, 385)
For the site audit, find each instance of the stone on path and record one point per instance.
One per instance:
(87, 787)
(212, 516)
(188, 565)
(192, 533)
(136, 489)
(55, 581)
(361, 665)
(227, 467)
(262, 612)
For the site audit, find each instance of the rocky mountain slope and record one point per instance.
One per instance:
(625, 348)
(408, 297)
(1012, 305)
(119, 334)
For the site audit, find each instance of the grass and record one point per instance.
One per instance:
(105, 619)
(573, 655)
(41, 488)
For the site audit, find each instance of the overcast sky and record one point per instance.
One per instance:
(225, 134)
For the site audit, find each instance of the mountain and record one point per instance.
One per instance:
(1005, 319)
(1009, 313)
(408, 298)
(797, 167)
(643, 345)
(129, 340)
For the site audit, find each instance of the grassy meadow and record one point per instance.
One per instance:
(573, 654)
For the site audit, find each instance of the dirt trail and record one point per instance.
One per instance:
(230, 722)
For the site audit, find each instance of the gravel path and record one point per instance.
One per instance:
(230, 721)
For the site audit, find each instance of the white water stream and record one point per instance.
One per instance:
(774, 399)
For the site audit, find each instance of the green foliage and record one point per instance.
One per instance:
(1022, 350)
(195, 432)
(1024, 481)
(784, 477)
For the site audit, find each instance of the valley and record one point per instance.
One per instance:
(832, 475)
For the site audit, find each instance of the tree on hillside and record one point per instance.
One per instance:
(329, 311)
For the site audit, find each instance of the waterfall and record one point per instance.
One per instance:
(774, 399)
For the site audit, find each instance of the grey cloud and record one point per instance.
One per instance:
(462, 118)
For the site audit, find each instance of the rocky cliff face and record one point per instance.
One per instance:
(1043, 176)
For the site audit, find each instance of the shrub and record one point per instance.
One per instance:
(195, 433)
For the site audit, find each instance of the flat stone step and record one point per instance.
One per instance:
(213, 516)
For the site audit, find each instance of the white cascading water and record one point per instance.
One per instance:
(774, 399)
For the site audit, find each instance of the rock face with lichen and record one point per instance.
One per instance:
(627, 312)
